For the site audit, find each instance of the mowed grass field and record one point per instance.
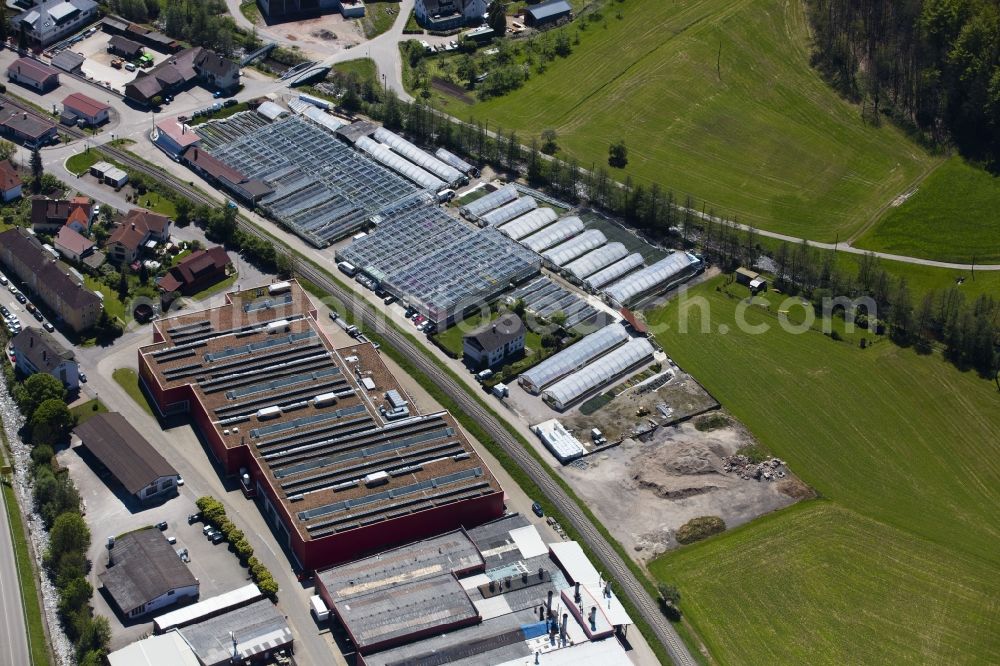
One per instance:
(818, 584)
(953, 216)
(762, 138)
(903, 446)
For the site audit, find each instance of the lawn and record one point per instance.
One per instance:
(379, 17)
(88, 410)
(363, 68)
(37, 643)
(128, 379)
(451, 338)
(761, 138)
(158, 203)
(953, 216)
(901, 443)
(113, 306)
(819, 584)
(81, 162)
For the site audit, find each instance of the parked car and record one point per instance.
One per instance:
(194, 518)
(162, 525)
(171, 540)
(37, 314)
(180, 480)
(48, 327)
(20, 297)
(537, 508)
(130, 66)
(3, 280)
(217, 537)
(83, 378)
(4, 311)
(207, 529)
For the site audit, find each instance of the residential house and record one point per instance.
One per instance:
(496, 343)
(10, 182)
(80, 109)
(449, 14)
(33, 74)
(71, 245)
(37, 351)
(61, 291)
(28, 129)
(48, 21)
(193, 65)
(81, 214)
(49, 215)
(196, 272)
(138, 229)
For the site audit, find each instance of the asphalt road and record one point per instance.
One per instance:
(13, 632)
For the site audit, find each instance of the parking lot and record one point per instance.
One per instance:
(97, 65)
(215, 567)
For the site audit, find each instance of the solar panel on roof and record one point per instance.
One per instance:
(307, 420)
(281, 383)
(258, 346)
(362, 453)
(390, 494)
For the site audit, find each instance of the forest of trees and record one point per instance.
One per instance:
(933, 65)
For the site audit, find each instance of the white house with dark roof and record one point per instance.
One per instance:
(37, 351)
(495, 343)
(51, 20)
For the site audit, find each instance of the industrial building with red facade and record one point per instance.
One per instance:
(339, 460)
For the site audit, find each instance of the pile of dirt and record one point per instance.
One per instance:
(679, 471)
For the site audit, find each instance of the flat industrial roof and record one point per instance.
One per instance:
(166, 650)
(452, 553)
(205, 607)
(257, 628)
(406, 609)
(269, 379)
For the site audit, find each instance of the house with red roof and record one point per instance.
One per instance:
(48, 215)
(33, 74)
(10, 182)
(196, 272)
(78, 109)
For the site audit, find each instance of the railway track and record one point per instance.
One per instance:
(612, 562)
